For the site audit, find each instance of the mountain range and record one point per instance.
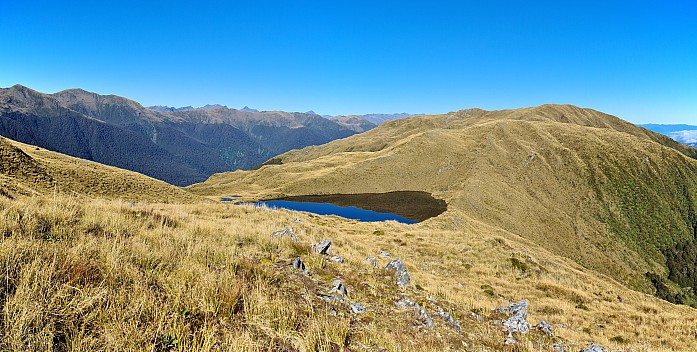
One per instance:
(178, 145)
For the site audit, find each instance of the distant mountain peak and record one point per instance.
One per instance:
(311, 112)
(164, 108)
(248, 109)
(212, 106)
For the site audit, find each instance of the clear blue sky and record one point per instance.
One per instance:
(633, 59)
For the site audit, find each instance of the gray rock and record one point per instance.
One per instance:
(401, 273)
(298, 264)
(336, 259)
(518, 320)
(384, 254)
(477, 316)
(357, 308)
(419, 312)
(406, 303)
(285, 232)
(372, 261)
(594, 348)
(323, 247)
(422, 315)
(329, 298)
(338, 287)
(450, 320)
(546, 328)
(558, 348)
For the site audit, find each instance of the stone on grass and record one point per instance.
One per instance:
(518, 320)
(372, 261)
(338, 287)
(545, 327)
(298, 264)
(323, 247)
(425, 318)
(357, 308)
(477, 316)
(401, 273)
(450, 320)
(285, 232)
(384, 254)
(406, 303)
(420, 312)
(519, 315)
(594, 348)
(328, 298)
(336, 259)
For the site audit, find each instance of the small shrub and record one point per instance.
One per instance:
(165, 343)
(583, 307)
(519, 265)
(618, 339)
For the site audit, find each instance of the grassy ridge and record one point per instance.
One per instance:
(612, 196)
(26, 169)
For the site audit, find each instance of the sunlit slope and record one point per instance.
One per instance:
(96, 275)
(28, 170)
(586, 185)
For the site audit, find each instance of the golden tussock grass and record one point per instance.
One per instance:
(98, 275)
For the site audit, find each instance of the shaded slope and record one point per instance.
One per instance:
(586, 185)
(28, 170)
(354, 123)
(35, 118)
(180, 147)
(276, 131)
(207, 148)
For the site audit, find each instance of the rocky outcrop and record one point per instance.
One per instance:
(285, 232)
(323, 248)
(518, 320)
(419, 312)
(400, 272)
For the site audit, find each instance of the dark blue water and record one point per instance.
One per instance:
(331, 209)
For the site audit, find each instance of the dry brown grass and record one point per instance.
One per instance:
(102, 275)
(26, 170)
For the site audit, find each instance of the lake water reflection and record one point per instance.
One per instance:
(349, 212)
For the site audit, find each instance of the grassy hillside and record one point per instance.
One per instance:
(97, 275)
(611, 196)
(87, 270)
(29, 170)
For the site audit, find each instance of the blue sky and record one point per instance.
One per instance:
(633, 59)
